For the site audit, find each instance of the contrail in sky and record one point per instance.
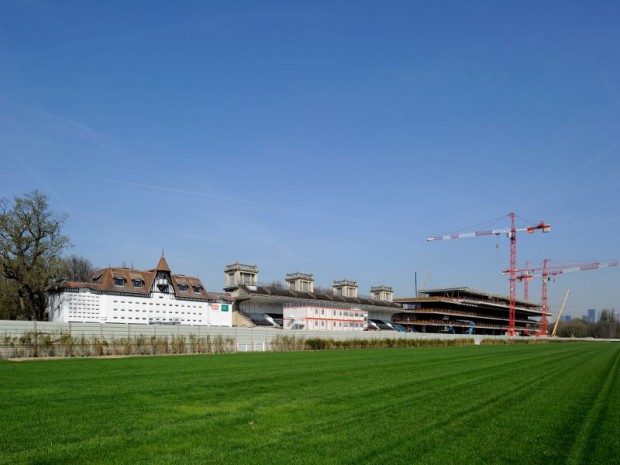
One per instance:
(597, 158)
(188, 235)
(33, 172)
(71, 123)
(46, 182)
(257, 205)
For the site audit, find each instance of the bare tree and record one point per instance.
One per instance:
(9, 300)
(31, 243)
(604, 329)
(573, 328)
(76, 268)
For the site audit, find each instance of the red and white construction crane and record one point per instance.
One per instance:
(512, 235)
(547, 272)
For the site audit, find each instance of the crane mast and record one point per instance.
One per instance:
(512, 309)
(526, 282)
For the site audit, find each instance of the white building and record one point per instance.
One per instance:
(320, 317)
(121, 295)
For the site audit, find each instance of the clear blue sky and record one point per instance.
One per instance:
(324, 137)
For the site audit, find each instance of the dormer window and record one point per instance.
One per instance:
(136, 280)
(119, 278)
(183, 287)
(197, 289)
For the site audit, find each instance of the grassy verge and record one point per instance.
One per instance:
(512, 404)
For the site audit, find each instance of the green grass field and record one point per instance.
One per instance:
(516, 404)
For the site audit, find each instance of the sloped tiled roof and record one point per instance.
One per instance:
(104, 281)
(162, 265)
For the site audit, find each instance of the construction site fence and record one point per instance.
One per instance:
(20, 339)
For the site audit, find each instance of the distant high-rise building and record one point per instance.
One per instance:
(566, 318)
(592, 315)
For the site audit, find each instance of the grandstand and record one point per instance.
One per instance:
(462, 310)
(339, 307)
(380, 325)
(264, 305)
(263, 319)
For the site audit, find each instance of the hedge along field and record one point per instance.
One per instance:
(513, 404)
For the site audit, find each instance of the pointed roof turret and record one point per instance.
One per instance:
(162, 265)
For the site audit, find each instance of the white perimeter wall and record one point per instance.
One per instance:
(247, 339)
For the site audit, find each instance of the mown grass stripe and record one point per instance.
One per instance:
(595, 412)
(463, 419)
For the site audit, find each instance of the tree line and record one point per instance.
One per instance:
(606, 328)
(32, 247)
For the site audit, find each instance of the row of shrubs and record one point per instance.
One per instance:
(33, 344)
(516, 340)
(291, 343)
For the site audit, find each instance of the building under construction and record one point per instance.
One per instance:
(462, 310)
